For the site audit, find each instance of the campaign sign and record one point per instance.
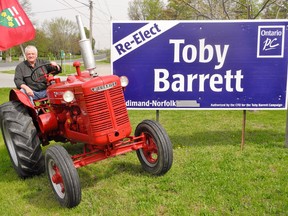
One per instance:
(202, 65)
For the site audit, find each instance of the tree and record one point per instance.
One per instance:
(146, 9)
(41, 41)
(179, 10)
(87, 33)
(230, 9)
(63, 35)
(136, 10)
(213, 9)
(207, 9)
(277, 10)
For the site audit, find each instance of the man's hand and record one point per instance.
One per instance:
(28, 90)
(53, 63)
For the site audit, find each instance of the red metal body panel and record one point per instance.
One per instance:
(97, 116)
(16, 94)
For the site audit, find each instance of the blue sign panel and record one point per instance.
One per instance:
(202, 65)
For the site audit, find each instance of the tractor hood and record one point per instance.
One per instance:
(80, 86)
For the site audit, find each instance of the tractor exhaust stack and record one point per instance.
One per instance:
(86, 49)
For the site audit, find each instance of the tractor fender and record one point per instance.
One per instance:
(17, 95)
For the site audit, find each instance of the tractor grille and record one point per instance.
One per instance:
(106, 109)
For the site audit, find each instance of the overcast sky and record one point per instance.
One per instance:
(104, 11)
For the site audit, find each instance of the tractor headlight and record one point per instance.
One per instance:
(124, 81)
(68, 96)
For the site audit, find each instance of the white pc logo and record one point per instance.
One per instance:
(270, 42)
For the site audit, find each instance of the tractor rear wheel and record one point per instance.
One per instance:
(63, 176)
(157, 155)
(21, 139)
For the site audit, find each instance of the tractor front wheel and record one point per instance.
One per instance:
(21, 139)
(156, 157)
(63, 176)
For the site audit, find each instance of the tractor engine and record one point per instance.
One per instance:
(75, 120)
(87, 109)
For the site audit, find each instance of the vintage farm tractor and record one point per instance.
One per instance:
(87, 109)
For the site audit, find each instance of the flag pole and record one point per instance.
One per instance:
(22, 49)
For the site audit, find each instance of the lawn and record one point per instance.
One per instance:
(210, 175)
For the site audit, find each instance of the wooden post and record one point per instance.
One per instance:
(286, 131)
(157, 115)
(243, 130)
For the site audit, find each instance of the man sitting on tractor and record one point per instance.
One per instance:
(23, 80)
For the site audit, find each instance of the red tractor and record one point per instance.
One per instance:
(82, 109)
(87, 109)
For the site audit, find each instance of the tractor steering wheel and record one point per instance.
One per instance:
(40, 75)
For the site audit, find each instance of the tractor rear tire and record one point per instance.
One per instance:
(157, 155)
(21, 139)
(63, 176)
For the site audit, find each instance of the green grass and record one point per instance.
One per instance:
(210, 174)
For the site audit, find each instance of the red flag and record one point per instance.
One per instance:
(15, 26)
